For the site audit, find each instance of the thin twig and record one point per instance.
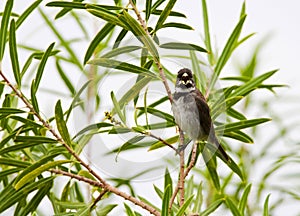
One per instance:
(181, 172)
(103, 192)
(102, 182)
(78, 177)
(191, 165)
(163, 141)
(157, 62)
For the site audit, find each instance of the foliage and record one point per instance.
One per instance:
(33, 155)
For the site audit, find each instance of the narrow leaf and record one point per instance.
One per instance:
(182, 46)
(148, 9)
(185, 206)
(13, 53)
(27, 12)
(97, 39)
(239, 135)
(227, 50)
(8, 111)
(34, 100)
(42, 65)
(121, 50)
(244, 199)
(212, 167)
(13, 162)
(35, 139)
(105, 210)
(252, 84)
(177, 25)
(212, 207)
(117, 107)
(29, 177)
(165, 201)
(266, 206)
(129, 211)
(232, 206)
(207, 32)
(164, 15)
(61, 124)
(110, 63)
(4, 26)
(240, 125)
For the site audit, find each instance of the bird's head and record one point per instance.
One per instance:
(185, 80)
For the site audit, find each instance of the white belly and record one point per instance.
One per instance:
(187, 117)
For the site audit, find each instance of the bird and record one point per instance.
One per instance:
(192, 114)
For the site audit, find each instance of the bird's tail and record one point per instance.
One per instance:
(219, 150)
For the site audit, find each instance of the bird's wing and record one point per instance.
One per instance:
(204, 113)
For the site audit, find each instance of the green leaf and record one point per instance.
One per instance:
(235, 114)
(129, 212)
(212, 167)
(177, 25)
(16, 196)
(35, 139)
(266, 206)
(252, 84)
(9, 111)
(61, 124)
(17, 147)
(232, 206)
(7, 172)
(42, 65)
(207, 32)
(157, 4)
(34, 100)
(160, 144)
(4, 26)
(230, 163)
(106, 15)
(120, 37)
(64, 4)
(240, 125)
(134, 91)
(130, 143)
(212, 207)
(121, 50)
(239, 135)
(76, 99)
(227, 50)
(182, 46)
(140, 33)
(199, 199)
(165, 201)
(29, 177)
(158, 113)
(110, 63)
(185, 205)
(13, 162)
(168, 180)
(96, 126)
(117, 107)
(201, 78)
(65, 78)
(106, 209)
(164, 15)
(27, 12)
(172, 13)
(36, 199)
(148, 9)
(97, 39)
(13, 52)
(244, 199)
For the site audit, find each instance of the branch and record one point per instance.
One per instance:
(191, 165)
(157, 62)
(181, 173)
(102, 183)
(163, 141)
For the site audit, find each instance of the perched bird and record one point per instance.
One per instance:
(192, 113)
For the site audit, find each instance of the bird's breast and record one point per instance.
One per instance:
(187, 116)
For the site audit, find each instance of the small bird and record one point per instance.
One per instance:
(191, 112)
